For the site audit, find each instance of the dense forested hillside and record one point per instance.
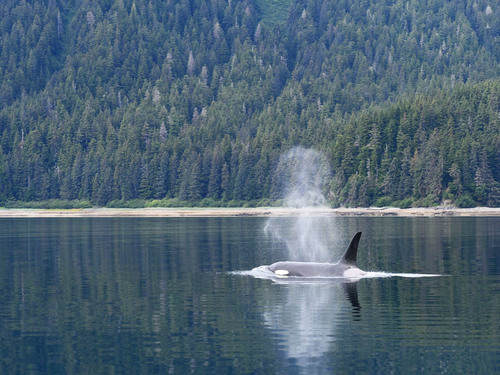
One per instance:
(194, 101)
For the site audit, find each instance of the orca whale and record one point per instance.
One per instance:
(346, 267)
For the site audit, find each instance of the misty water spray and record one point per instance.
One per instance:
(301, 178)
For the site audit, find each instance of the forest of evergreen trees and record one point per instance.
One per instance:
(122, 102)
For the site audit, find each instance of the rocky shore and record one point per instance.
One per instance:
(260, 211)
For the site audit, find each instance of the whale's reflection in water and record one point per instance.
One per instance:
(306, 317)
(305, 320)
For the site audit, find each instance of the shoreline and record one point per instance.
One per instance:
(256, 212)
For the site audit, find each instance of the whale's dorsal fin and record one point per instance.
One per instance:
(351, 253)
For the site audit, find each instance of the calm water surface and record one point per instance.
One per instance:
(142, 296)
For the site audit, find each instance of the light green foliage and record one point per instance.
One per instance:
(274, 12)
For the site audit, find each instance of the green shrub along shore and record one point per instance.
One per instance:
(59, 204)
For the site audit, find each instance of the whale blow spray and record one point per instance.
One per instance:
(301, 177)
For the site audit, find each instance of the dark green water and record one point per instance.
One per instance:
(142, 296)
